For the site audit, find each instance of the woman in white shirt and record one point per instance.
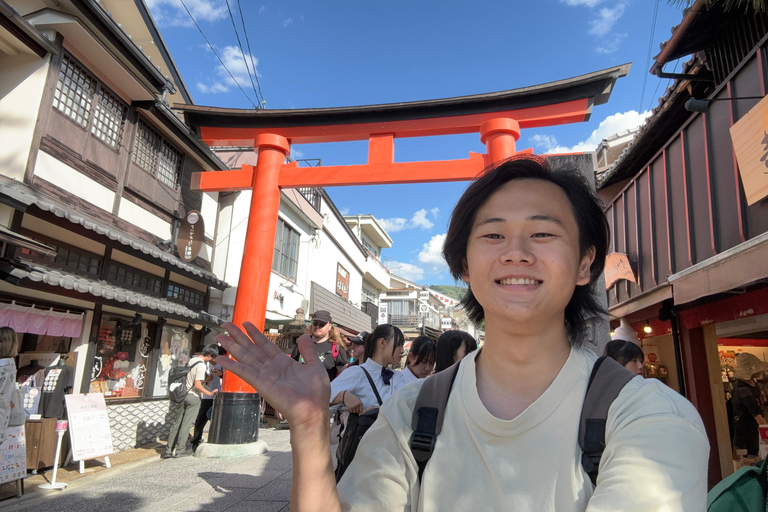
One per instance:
(420, 360)
(383, 347)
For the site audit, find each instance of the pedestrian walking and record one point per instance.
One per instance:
(213, 383)
(530, 244)
(185, 412)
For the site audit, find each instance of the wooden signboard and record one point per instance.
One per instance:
(342, 281)
(88, 426)
(190, 236)
(617, 267)
(13, 455)
(750, 143)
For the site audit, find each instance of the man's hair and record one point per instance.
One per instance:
(210, 351)
(386, 331)
(587, 210)
(624, 351)
(423, 350)
(447, 345)
(8, 345)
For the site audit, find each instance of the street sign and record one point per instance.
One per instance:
(383, 313)
(423, 308)
(424, 295)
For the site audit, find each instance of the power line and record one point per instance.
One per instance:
(248, 44)
(240, 44)
(659, 83)
(216, 53)
(650, 50)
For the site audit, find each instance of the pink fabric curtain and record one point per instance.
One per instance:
(37, 321)
(56, 323)
(73, 325)
(5, 315)
(19, 318)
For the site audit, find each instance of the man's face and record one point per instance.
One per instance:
(319, 329)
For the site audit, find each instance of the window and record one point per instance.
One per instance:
(108, 120)
(121, 359)
(286, 257)
(370, 295)
(156, 155)
(371, 248)
(77, 91)
(186, 295)
(78, 261)
(134, 279)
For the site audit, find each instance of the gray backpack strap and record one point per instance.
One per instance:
(607, 380)
(428, 412)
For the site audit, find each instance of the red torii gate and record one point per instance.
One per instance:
(498, 117)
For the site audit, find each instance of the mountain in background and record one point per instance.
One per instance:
(455, 292)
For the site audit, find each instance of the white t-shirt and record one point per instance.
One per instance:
(196, 373)
(408, 376)
(353, 379)
(656, 456)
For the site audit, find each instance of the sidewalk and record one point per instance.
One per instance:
(148, 483)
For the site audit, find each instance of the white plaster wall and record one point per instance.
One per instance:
(22, 81)
(208, 211)
(78, 184)
(148, 221)
(80, 346)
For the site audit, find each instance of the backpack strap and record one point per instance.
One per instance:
(428, 413)
(373, 386)
(607, 380)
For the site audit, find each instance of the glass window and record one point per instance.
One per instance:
(156, 155)
(75, 90)
(122, 358)
(175, 350)
(186, 295)
(134, 279)
(370, 295)
(109, 119)
(285, 260)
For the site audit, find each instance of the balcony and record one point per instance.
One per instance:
(312, 195)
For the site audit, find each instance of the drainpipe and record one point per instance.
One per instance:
(667, 312)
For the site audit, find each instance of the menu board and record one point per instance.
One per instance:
(88, 426)
(13, 455)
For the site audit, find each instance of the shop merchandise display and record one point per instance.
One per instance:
(58, 381)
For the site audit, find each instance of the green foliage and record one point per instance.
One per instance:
(455, 292)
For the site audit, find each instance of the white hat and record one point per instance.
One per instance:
(748, 365)
(626, 333)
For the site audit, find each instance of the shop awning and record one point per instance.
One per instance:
(20, 193)
(112, 293)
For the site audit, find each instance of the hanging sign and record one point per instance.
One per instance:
(88, 426)
(383, 313)
(750, 143)
(342, 281)
(191, 235)
(617, 267)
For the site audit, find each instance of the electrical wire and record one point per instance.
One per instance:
(248, 44)
(242, 52)
(650, 50)
(669, 81)
(216, 53)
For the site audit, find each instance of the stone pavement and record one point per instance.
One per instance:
(261, 483)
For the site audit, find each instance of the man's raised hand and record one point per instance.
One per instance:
(301, 392)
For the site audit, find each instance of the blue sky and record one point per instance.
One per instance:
(335, 53)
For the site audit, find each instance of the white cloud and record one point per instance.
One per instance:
(432, 253)
(605, 20)
(406, 270)
(611, 125)
(612, 44)
(296, 153)
(172, 13)
(288, 22)
(434, 212)
(344, 211)
(585, 3)
(233, 60)
(418, 220)
(262, 9)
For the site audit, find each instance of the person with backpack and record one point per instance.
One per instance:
(328, 344)
(185, 387)
(530, 244)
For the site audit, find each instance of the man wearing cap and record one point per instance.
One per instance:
(330, 352)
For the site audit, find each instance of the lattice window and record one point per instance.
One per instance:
(109, 119)
(285, 260)
(156, 155)
(134, 279)
(81, 262)
(74, 92)
(186, 295)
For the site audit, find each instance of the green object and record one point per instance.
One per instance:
(743, 491)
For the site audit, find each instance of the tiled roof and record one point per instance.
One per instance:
(26, 195)
(69, 281)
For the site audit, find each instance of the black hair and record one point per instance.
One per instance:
(386, 331)
(624, 351)
(587, 210)
(222, 350)
(447, 345)
(210, 351)
(423, 349)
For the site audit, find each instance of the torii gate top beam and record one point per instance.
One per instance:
(561, 102)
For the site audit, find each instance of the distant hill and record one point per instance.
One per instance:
(456, 292)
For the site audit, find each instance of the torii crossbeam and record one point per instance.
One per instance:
(497, 117)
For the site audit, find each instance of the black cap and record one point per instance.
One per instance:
(359, 339)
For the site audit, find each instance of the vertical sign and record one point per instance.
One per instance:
(383, 313)
(342, 281)
(750, 143)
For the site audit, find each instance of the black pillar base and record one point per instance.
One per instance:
(235, 418)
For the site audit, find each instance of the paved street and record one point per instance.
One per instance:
(261, 483)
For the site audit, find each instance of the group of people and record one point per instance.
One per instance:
(530, 244)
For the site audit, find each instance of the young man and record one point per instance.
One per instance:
(330, 352)
(185, 413)
(530, 244)
(213, 375)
